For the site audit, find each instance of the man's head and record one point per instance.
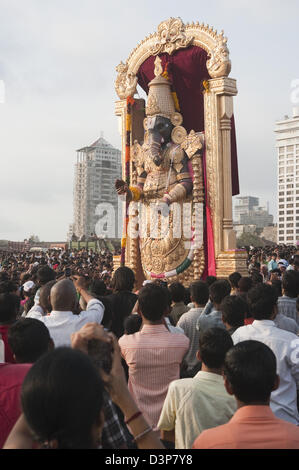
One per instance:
(177, 292)
(29, 339)
(234, 278)
(63, 296)
(45, 274)
(218, 290)
(123, 279)
(62, 399)
(262, 300)
(257, 278)
(44, 297)
(250, 372)
(245, 284)
(290, 283)
(153, 302)
(199, 292)
(9, 307)
(234, 310)
(214, 343)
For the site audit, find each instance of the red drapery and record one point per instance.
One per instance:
(187, 70)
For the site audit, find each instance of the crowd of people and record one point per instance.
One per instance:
(89, 361)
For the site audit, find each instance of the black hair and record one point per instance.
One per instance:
(277, 284)
(123, 279)
(9, 307)
(261, 299)
(8, 286)
(153, 302)
(234, 278)
(29, 339)
(199, 291)
(297, 304)
(62, 397)
(132, 324)
(290, 283)
(98, 287)
(234, 309)
(257, 278)
(250, 368)
(213, 346)
(210, 280)
(44, 295)
(45, 274)
(245, 284)
(177, 291)
(218, 290)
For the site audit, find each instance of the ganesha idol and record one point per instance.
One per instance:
(165, 205)
(180, 168)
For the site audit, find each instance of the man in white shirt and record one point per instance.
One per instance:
(62, 322)
(262, 300)
(199, 403)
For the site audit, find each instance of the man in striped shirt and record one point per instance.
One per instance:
(153, 354)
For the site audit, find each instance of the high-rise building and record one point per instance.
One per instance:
(248, 212)
(244, 205)
(97, 168)
(287, 144)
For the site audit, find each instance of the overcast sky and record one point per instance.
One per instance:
(58, 59)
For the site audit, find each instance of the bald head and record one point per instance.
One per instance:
(63, 296)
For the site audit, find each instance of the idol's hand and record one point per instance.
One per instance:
(121, 187)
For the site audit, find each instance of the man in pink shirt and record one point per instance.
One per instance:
(250, 375)
(153, 354)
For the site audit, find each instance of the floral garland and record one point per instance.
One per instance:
(130, 103)
(181, 268)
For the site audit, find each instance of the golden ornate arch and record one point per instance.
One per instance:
(170, 36)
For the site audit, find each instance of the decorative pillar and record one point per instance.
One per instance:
(226, 113)
(218, 113)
